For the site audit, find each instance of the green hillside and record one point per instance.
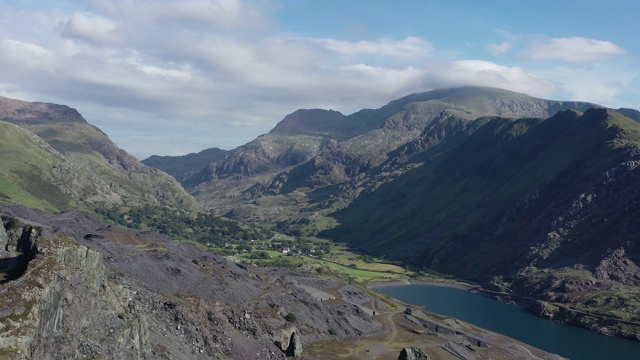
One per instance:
(54, 160)
(25, 170)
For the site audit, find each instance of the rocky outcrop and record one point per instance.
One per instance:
(33, 313)
(413, 353)
(295, 346)
(19, 245)
(291, 345)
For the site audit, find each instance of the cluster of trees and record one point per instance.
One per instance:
(179, 224)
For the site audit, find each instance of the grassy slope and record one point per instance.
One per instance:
(25, 167)
(364, 273)
(101, 169)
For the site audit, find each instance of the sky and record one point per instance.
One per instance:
(171, 77)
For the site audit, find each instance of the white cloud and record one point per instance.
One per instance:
(24, 54)
(90, 27)
(182, 71)
(219, 14)
(573, 49)
(486, 73)
(599, 83)
(499, 49)
(166, 76)
(410, 48)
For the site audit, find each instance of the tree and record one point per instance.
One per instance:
(290, 317)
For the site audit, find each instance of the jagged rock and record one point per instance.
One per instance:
(413, 353)
(295, 345)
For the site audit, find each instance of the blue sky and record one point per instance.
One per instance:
(171, 77)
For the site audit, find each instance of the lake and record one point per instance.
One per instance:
(565, 340)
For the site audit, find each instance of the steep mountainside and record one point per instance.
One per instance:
(547, 208)
(472, 190)
(53, 159)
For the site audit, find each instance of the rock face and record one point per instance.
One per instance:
(412, 353)
(45, 307)
(295, 345)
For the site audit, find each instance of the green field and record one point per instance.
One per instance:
(358, 270)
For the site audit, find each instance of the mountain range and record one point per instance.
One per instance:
(524, 195)
(534, 199)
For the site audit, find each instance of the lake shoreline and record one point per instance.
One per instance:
(525, 303)
(456, 285)
(543, 327)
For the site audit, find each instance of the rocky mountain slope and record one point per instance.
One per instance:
(91, 291)
(54, 160)
(316, 161)
(545, 208)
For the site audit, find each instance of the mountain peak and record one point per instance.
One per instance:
(33, 113)
(317, 122)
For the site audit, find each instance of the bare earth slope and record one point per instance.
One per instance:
(94, 291)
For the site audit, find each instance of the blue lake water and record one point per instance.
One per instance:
(568, 341)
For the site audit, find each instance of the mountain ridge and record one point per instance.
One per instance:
(288, 158)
